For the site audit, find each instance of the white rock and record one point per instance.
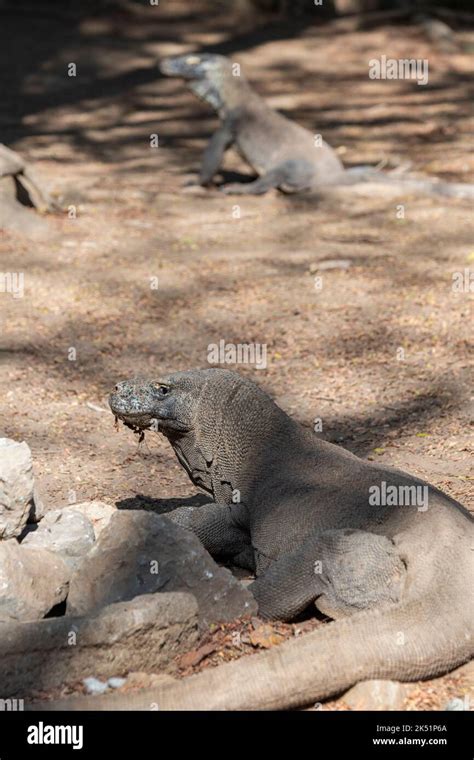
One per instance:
(32, 581)
(116, 682)
(66, 532)
(94, 686)
(16, 487)
(457, 704)
(98, 512)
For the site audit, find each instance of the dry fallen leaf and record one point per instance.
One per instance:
(265, 636)
(190, 659)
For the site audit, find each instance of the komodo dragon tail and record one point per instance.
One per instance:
(408, 641)
(358, 174)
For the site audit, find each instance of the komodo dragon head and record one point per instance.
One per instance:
(211, 77)
(168, 403)
(213, 418)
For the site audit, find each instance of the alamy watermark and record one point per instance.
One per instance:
(463, 282)
(238, 353)
(12, 705)
(13, 282)
(386, 495)
(42, 733)
(399, 68)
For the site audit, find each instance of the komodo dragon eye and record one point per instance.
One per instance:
(162, 389)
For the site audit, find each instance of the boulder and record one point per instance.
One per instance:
(377, 695)
(16, 487)
(32, 581)
(98, 512)
(144, 634)
(38, 508)
(142, 552)
(19, 189)
(66, 532)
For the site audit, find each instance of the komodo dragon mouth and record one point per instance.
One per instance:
(138, 423)
(129, 410)
(142, 405)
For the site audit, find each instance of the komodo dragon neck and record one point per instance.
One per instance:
(234, 438)
(228, 95)
(191, 458)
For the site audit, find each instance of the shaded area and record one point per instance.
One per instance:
(108, 46)
(161, 506)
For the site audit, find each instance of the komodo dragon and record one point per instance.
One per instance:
(284, 154)
(299, 512)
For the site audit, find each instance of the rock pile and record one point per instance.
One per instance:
(88, 590)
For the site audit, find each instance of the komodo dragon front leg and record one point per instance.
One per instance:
(212, 158)
(219, 528)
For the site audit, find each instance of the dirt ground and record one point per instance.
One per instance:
(380, 353)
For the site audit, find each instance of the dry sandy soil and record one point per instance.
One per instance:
(380, 354)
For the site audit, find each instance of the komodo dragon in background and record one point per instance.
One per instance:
(283, 153)
(297, 511)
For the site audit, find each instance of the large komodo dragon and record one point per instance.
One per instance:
(284, 154)
(304, 515)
